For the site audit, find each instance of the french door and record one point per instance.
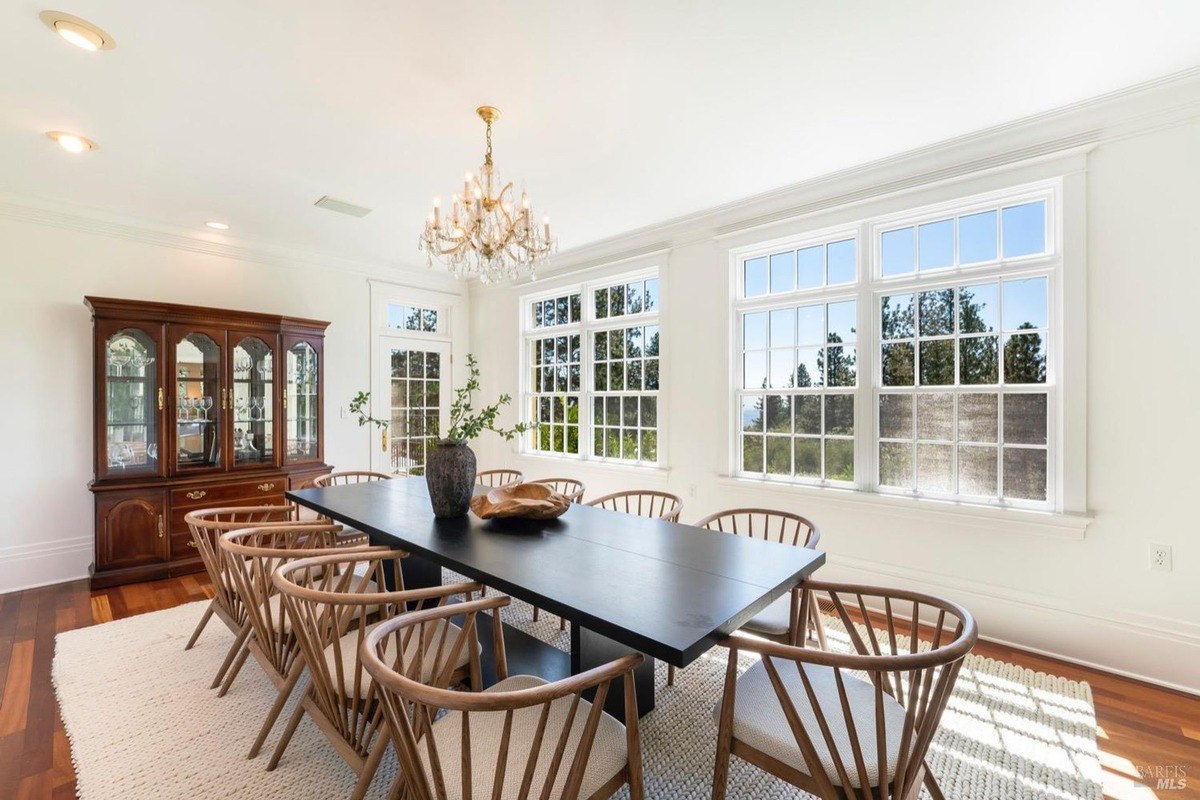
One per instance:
(412, 392)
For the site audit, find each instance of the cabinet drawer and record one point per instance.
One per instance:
(214, 495)
(178, 523)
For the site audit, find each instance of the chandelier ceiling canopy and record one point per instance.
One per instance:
(487, 233)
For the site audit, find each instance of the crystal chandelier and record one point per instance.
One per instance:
(486, 233)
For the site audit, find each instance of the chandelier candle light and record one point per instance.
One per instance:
(485, 234)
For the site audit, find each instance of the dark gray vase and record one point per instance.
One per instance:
(450, 475)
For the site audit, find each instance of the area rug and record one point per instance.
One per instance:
(143, 724)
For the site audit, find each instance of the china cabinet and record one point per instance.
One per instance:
(195, 408)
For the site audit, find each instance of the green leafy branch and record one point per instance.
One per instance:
(466, 423)
(360, 407)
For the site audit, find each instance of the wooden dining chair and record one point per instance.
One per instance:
(642, 502)
(206, 526)
(333, 602)
(522, 739)
(778, 621)
(574, 490)
(347, 477)
(252, 555)
(498, 477)
(847, 725)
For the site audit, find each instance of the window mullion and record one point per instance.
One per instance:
(865, 419)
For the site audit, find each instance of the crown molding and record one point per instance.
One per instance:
(40, 211)
(1074, 129)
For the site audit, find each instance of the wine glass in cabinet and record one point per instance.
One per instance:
(131, 400)
(201, 398)
(302, 400)
(252, 404)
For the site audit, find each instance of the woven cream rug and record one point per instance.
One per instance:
(144, 725)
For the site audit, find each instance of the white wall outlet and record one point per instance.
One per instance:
(1160, 557)
(691, 490)
(344, 411)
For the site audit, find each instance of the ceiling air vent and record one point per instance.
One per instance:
(341, 206)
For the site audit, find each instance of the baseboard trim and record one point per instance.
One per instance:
(29, 566)
(1105, 668)
(1162, 661)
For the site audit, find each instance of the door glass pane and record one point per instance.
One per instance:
(197, 402)
(253, 398)
(131, 398)
(416, 403)
(302, 424)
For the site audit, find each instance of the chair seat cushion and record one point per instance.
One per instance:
(774, 620)
(354, 679)
(759, 721)
(607, 758)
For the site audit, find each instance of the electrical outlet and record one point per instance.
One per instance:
(344, 411)
(1160, 557)
(691, 490)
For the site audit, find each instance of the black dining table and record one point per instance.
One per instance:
(626, 583)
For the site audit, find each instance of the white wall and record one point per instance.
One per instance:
(1090, 598)
(46, 362)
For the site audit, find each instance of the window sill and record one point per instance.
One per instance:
(592, 464)
(1061, 525)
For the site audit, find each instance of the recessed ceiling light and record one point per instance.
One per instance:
(72, 142)
(217, 226)
(78, 32)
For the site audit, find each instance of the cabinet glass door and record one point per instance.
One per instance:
(132, 398)
(252, 402)
(302, 426)
(199, 402)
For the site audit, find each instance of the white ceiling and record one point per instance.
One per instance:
(617, 114)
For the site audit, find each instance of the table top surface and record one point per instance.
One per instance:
(668, 590)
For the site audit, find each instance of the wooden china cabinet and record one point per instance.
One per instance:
(195, 408)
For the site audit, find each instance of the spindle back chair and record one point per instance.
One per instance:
(848, 725)
(642, 502)
(522, 739)
(253, 554)
(333, 601)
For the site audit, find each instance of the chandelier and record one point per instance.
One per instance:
(486, 233)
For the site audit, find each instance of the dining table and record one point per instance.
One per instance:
(626, 583)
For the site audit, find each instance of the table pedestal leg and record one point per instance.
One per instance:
(419, 573)
(589, 649)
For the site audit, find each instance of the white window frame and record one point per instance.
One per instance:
(588, 325)
(871, 287)
(451, 332)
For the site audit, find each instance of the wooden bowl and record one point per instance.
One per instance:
(526, 500)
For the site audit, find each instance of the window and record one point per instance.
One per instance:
(920, 364)
(799, 366)
(592, 370)
(411, 318)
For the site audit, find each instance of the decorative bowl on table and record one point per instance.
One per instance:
(523, 500)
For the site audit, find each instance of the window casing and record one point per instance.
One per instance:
(591, 372)
(945, 386)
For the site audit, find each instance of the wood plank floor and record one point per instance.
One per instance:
(1142, 727)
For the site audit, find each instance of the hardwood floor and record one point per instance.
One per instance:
(1142, 727)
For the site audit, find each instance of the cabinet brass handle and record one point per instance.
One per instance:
(196, 495)
(191, 543)
(160, 527)
(266, 487)
(160, 398)
(225, 400)
(383, 437)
